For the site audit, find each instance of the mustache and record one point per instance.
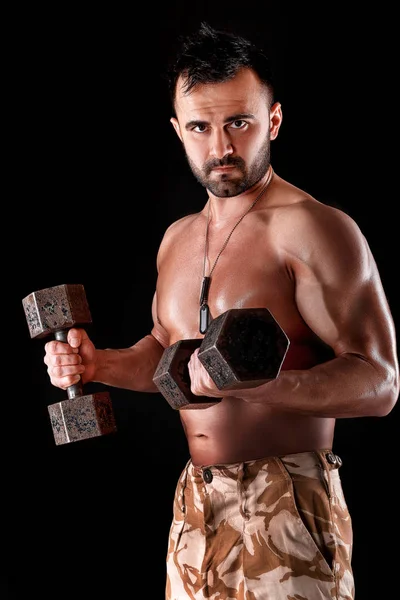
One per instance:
(225, 161)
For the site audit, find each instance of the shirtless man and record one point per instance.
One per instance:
(259, 512)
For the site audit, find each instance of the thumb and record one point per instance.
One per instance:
(75, 338)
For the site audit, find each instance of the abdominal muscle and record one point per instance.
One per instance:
(236, 431)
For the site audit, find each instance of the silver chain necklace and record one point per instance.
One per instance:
(205, 286)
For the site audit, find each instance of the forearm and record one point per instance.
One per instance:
(130, 368)
(347, 386)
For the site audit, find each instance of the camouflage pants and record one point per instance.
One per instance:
(271, 529)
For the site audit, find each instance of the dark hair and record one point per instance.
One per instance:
(212, 56)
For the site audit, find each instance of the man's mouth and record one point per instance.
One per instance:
(223, 169)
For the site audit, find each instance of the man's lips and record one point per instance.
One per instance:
(223, 169)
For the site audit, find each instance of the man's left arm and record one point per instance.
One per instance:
(340, 296)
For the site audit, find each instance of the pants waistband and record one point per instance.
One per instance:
(324, 457)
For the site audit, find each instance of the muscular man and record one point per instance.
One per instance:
(259, 510)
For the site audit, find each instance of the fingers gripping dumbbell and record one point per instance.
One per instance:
(55, 310)
(243, 347)
(172, 376)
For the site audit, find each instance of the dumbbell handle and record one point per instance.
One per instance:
(76, 389)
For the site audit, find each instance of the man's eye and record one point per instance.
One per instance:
(200, 128)
(238, 124)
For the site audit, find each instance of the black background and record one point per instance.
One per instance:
(96, 174)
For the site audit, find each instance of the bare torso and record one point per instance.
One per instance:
(256, 269)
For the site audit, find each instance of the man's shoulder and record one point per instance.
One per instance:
(305, 210)
(178, 226)
(177, 230)
(294, 199)
(304, 223)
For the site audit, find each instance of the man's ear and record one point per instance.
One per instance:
(275, 115)
(175, 123)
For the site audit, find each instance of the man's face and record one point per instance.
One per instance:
(226, 130)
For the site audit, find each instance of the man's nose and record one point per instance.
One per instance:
(221, 144)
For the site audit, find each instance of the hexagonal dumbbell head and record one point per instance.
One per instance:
(56, 308)
(243, 347)
(172, 376)
(82, 417)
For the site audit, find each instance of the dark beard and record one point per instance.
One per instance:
(228, 186)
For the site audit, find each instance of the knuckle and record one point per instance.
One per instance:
(50, 347)
(57, 372)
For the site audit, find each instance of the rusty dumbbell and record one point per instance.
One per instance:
(243, 347)
(55, 310)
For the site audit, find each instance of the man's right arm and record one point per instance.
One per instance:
(129, 368)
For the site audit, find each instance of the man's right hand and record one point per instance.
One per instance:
(68, 363)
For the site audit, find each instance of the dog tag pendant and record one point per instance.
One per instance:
(204, 318)
(204, 310)
(205, 286)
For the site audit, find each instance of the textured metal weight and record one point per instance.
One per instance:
(172, 376)
(55, 310)
(243, 347)
(82, 417)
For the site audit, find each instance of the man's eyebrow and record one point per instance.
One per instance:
(237, 117)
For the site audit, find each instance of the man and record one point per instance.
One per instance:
(259, 510)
